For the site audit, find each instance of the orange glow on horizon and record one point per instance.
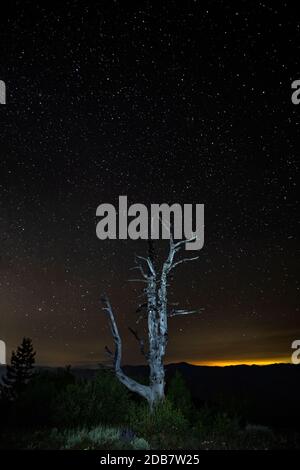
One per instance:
(247, 362)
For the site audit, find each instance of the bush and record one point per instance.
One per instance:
(224, 425)
(103, 400)
(165, 427)
(215, 429)
(256, 436)
(96, 438)
(140, 444)
(75, 439)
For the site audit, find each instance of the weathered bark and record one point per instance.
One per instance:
(157, 319)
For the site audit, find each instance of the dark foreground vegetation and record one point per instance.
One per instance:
(57, 409)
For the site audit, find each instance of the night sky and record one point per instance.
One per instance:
(164, 102)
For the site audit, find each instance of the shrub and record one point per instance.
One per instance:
(256, 436)
(103, 400)
(216, 430)
(225, 425)
(257, 429)
(164, 427)
(96, 438)
(140, 444)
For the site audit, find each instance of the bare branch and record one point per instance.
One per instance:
(130, 383)
(175, 313)
(140, 268)
(184, 260)
(149, 263)
(183, 242)
(169, 264)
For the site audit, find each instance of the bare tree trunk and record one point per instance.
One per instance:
(157, 379)
(157, 318)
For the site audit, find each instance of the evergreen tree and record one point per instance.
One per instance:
(21, 368)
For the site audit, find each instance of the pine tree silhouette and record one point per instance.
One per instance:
(21, 368)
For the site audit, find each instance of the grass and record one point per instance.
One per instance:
(220, 435)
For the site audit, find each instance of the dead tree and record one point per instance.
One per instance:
(157, 314)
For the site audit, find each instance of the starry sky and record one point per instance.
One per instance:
(186, 102)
